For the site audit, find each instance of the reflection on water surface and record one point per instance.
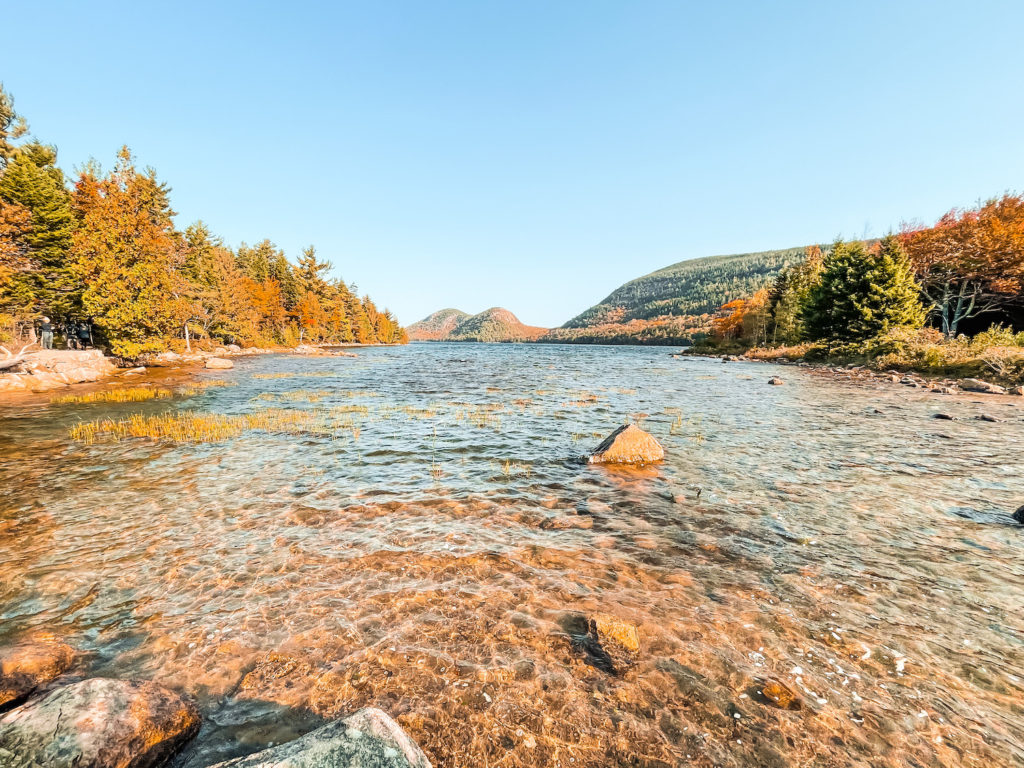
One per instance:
(433, 548)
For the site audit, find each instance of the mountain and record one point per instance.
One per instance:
(673, 304)
(495, 324)
(437, 326)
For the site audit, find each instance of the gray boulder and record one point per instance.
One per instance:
(26, 666)
(367, 739)
(97, 723)
(219, 363)
(977, 385)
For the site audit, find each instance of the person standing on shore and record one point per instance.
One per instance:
(46, 332)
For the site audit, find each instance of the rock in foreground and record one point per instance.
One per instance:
(367, 739)
(97, 723)
(628, 445)
(26, 666)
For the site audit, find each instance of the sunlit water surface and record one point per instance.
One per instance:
(438, 549)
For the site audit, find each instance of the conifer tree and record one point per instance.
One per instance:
(128, 257)
(33, 180)
(12, 127)
(862, 294)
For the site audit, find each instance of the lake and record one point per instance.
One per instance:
(427, 540)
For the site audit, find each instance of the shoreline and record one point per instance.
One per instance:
(45, 374)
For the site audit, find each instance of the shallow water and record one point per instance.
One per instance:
(436, 549)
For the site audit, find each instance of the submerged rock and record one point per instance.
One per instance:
(26, 666)
(775, 381)
(367, 739)
(622, 632)
(219, 363)
(97, 723)
(780, 695)
(628, 445)
(1019, 515)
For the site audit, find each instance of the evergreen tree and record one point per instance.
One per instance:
(789, 294)
(128, 257)
(862, 295)
(33, 180)
(12, 127)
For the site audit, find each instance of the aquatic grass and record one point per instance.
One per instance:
(193, 427)
(294, 395)
(119, 395)
(294, 375)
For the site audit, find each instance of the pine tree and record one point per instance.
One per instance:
(128, 257)
(863, 295)
(33, 180)
(12, 127)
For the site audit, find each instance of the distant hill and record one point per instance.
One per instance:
(437, 326)
(495, 324)
(672, 305)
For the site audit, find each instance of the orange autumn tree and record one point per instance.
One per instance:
(126, 254)
(971, 261)
(729, 323)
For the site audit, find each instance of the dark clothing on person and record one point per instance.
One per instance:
(46, 330)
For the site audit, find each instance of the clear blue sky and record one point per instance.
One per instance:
(533, 155)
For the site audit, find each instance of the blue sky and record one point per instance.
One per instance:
(532, 155)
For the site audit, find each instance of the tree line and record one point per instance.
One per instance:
(105, 247)
(969, 264)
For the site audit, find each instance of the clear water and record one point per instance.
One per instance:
(439, 551)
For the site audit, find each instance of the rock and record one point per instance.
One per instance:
(977, 385)
(233, 348)
(26, 666)
(622, 632)
(1015, 391)
(946, 416)
(219, 363)
(780, 695)
(1019, 515)
(988, 417)
(367, 739)
(776, 381)
(628, 445)
(97, 723)
(134, 371)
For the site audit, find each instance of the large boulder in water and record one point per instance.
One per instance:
(367, 739)
(628, 445)
(219, 363)
(97, 723)
(26, 666)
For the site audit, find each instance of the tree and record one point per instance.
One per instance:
(33, 180)
(862, 294)
(12, 127)
(971, 261)
(789, 294)
(127, 255)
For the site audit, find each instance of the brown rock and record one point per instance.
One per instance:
(780, 695)
(628, 445)
(219, 363)
(26, 666)
(622, 632)
(776, 381)
(97, 723)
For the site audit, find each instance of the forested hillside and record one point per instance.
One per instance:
(437, 326)
(689, 288)
(491, 325)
